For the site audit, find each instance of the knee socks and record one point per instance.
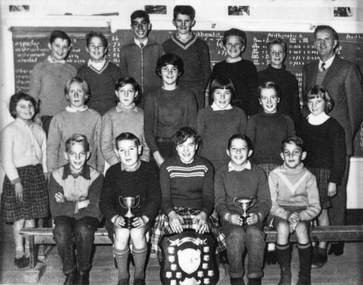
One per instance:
(139, 259)
(122, 257)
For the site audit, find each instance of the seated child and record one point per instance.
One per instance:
(74, 191)
(218, 122)
(295, 203)
(241, 179)
(168, 108)
(125, 117)
(276, 72)
(48, 78)
(325, 143)
(130, 178)
(187, 192)
(193, 50)
(268, 128)
(139, 57)
(100, 74)
(77, 118)
(242, 72)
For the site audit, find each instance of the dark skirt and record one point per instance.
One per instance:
(322, 179)
(35, 196)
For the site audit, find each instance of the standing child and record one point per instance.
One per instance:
(193, 50)
(125, 117)
(295, 203)
(130, 178)
(23, 158)
(48, 78)
(74, 191)
(168, 108)
(325, 144)
(139, 57)
(268, 128)
(242, 72)
(77, 118)
(241, 179)
(276, 72)
(100, 74)
(219, 121)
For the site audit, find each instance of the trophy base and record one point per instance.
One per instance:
(128, 223)
(244, 220)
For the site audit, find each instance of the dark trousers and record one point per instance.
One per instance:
(69, 232)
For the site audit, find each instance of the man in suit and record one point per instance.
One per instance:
(343, 81)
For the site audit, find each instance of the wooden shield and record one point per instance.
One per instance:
(189, 259)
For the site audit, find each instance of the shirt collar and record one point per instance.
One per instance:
(317, 120)
(328, 63)
(233, 60)
(72, 109)
(120, 108)
(216, 108)
(85, 172)
(131, 169)
(232, 168)
(97, 65)
(53, 60)
(137, 42)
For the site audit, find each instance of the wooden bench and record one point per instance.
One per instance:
(42, 236)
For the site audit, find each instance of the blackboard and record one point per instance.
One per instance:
(31, 46)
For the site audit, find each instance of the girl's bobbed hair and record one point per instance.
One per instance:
(14, 99)
(319, 91)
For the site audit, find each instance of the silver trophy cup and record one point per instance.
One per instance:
(129, 203)
(244, 204)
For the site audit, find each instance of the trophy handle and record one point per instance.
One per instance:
(137, 201)
(234, 202)
(253, 201)
(120, 200)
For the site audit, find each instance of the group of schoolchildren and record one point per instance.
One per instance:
(151, 149)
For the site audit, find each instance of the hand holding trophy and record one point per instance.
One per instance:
(129, 203)
(244, 204)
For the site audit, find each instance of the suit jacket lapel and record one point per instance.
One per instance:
(332, 71)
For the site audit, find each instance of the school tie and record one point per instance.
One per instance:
(323, 66)
(141, 45)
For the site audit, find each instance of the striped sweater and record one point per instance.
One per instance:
(187, 185)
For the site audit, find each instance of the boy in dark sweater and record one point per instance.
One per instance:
(241, 179)
(193, 50)
(74, 191)
(137, 179)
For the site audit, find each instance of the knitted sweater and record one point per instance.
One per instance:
(187, 185)
(325, 147)
(143, 182)
(22, 145)
(289, 90)
(294, 187)
(101, 84)
(119, 120)
(266, 132)
(195, 55)
(247, 183)
(47, 83)
(141, 63)
(166, 112)
(215, 128)
(63, 126)
(87, 185)
(245, 81)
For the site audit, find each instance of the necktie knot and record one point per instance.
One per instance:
(323, 66)
(141, 45)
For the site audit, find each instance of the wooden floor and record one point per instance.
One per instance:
(346, 269)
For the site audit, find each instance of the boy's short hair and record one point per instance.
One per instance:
(242, 137)
(77, 138)
(319, 91)
(59, 34)
(293, 139)
(221, 82)
(184, 10)
(170, 58)
(82, 82)
(277, 41)
(140, 14)
(14, 99)
(121, 82)
(127, 136)
(94, 34)
(185, 133)
(269, 85)
(237, 33)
